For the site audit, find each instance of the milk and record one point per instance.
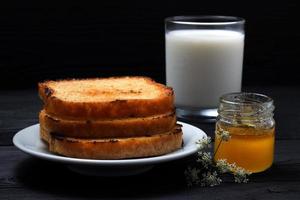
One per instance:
(201, 65)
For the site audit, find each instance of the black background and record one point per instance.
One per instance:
(40, 40)
(70, 39)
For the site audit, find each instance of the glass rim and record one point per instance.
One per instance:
(205, 20)
(229, 99)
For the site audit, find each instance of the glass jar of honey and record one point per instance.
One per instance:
(245, 131)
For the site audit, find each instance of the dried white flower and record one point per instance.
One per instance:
(224, 135)
(204, 143)
(206, 172)
(210, 179)
(240, 174)
(205, 159)
(223, 166)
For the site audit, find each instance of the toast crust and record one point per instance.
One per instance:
(131, 127)
(106, 98)
(115, 148)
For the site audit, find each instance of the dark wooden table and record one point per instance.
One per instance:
(25, 177)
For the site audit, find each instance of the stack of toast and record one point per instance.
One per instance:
(109, 118)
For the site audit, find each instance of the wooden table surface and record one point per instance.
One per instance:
(25, 177)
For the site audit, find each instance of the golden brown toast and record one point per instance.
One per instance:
(106, 98)
(122, 128)
(114, 148)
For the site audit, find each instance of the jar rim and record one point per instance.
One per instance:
(205, 20)
(246, 98)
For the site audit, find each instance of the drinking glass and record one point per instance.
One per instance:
(204, 59)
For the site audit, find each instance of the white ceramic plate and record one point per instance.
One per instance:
(28, 140)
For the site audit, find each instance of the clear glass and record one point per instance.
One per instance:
(248, 118)
(204, 59)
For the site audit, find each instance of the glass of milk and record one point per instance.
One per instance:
(204, 59)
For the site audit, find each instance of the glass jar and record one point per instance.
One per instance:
(245, 131)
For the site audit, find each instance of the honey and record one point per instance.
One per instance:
(249, 147)
(247, 118)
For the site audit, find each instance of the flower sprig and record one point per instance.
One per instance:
(224, 135)
(207, 172)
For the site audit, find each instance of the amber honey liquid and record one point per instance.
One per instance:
(249, 147)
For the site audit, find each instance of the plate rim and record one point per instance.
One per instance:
(120, 162)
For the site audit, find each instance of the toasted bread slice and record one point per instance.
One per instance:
(121, 128)
(106, 98)
(116, 148)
